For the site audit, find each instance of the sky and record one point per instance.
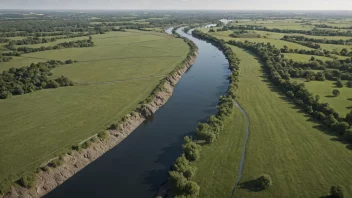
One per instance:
(179, 4)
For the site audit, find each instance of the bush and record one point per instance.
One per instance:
(336, 192)
(191, 150)
(177, 181)
(191, 189)
(264, 182)
(28, 181)
(336, 92)
(103, 135)
(57, 162)
(86, 144)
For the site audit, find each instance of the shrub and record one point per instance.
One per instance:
(177, 181)
(264, 181)
(191, 150)
(341, 128)
(57, 162)
(28, 181)
(336, 192)
(191, 189)
(45, 168)
(336, 92)
(77, 147)
(103, 135)
(86, 144)
(94, 139)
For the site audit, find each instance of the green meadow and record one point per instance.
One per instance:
(111, 78)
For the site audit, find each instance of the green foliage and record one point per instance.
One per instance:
(57, 162)
(104, 135)
(28, 181)
(191, 151)
(5, 186)
(18, 81)
(86, 144)
(336, 192)
(336, 92)
(264, 182)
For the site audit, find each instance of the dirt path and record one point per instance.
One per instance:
(240, 170)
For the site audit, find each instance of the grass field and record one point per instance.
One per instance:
(219, 162)
(342, 104)
(38, 126)
(283, 142)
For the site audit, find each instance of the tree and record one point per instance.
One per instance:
(192, 189)
(349, 84)
(264, 181)
(317, 98)
(339, 83)
(341, 128)
(336, 92)
(336, 192)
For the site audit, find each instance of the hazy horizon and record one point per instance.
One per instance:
(250, 5)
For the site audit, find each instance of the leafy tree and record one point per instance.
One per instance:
(264, 181)
(341, 128)
(336, 92)
(336, 192)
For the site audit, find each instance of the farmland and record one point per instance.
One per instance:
(41, 123)
(296, 150)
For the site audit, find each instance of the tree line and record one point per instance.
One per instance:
(38, 40)
(316, 40)
(18, 81)
(279, 76)
(25, 49)
(314, 31)
(332, 27)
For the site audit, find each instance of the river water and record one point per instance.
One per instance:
(139, 164)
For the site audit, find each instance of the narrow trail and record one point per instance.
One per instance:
(240, 170)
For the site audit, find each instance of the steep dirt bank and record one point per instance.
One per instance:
(77, 160)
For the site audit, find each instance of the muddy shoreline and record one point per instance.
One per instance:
(46, 181)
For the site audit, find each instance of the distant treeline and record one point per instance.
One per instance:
(276, 68)
(25, 49)
(18, 81)
(38, 40)
(314, 31)
(315, 40)
(332, 27)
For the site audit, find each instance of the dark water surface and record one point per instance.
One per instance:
(139, 164)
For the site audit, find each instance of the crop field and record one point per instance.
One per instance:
(112, 78)
(284, 143)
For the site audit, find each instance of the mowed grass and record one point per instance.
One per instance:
(217, 169)
(342, 104)
(113, 78)
(301, 160)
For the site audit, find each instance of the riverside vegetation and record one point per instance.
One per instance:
(183, 170)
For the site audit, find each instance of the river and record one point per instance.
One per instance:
(139, 165)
